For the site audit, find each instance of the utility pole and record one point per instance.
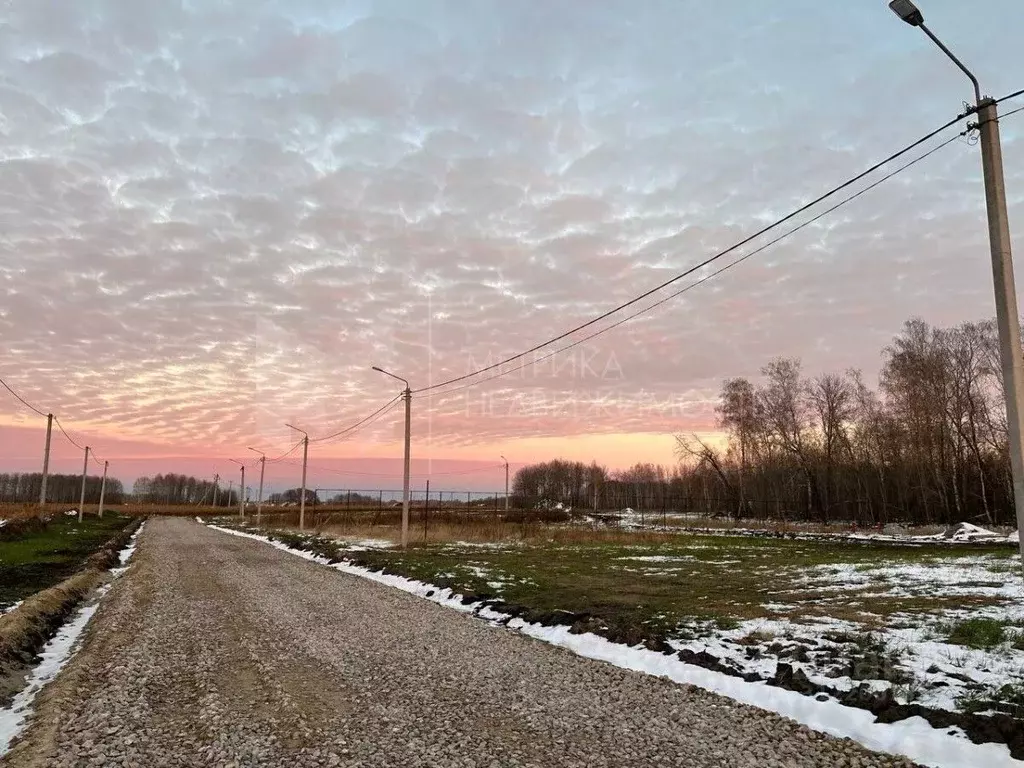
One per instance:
(85, 470)
(506, 484)
(305, 456)
(216, 488)
(1007, 319)
(241, 489)
(407, 396)
(259, 498)
(103, 486)
(46, 460)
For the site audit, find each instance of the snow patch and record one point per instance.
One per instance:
(55, 655)
(968, 532)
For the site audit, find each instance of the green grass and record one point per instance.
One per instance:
(977, 633)
(705, 582)
(40, 559)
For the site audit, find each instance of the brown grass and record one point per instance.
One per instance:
(471, 530)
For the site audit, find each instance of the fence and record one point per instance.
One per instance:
(640, 506)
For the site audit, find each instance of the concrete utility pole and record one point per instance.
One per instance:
(259, 498)
(407, 396)
(305, 456)
(1007, 319)
(241, 493)
(46, 460)
(216, 488)
(506, 484)
(85, 470)
(103, 486)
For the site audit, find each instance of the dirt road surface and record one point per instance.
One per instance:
(214, 650)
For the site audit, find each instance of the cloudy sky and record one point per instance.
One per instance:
(218, 215)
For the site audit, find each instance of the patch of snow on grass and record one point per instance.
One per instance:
(55, 655)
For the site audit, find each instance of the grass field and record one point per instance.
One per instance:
(44, 555)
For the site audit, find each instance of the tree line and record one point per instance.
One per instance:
(25, 487)
(591, 486)
(929, 446)
(173, 489)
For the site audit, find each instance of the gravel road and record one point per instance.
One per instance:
(214, 650)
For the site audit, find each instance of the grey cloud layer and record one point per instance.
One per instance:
(218, 215)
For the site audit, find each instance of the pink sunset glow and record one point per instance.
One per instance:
(218, 219)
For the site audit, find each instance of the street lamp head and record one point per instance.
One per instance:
(907, 11)
(389, 373)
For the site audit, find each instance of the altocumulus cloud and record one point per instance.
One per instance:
(218, 215)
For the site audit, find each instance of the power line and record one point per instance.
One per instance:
(488, 468)
(56, 421)
(705, 262)
(65, 433)
(358, 424)
(22, 400)
(1007, 97)
(704, 279)
(286, 453)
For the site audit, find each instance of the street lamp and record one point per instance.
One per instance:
(1007, 319)
(241, 489)
(506, 484)
(259, 498)
(407, 396)
(305, 455)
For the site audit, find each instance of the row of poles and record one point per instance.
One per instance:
(407, 397)
(85, 473)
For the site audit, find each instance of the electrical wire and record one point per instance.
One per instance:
(488, 468)
(706, 261)
(65, 433)
(1009, 96)
(358, 424)
(22, 400)
(286, 453)
(56, 421)
(717, 272)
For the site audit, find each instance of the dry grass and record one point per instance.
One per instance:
(475, 531)
(11, 511)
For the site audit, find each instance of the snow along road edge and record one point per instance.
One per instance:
(57, 652)
(914, 737)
